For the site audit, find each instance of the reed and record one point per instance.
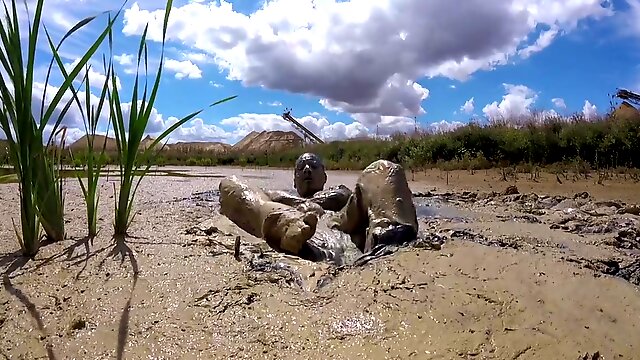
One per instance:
(36, 166)
(129, 132)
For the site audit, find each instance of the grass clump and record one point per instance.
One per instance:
(93, 161)
(35, 165)
(129, 132)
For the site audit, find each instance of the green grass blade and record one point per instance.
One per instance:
(76, 70)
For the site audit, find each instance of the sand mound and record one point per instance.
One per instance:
(246, 141)
(195, 146)
(146, 143)
(98, 142)
(626, 111)
(268, 141)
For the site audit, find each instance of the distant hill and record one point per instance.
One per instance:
(254, 142)
(268, 141)
(98, 142)
(245, 141)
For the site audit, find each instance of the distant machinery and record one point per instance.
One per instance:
(307, 134)
(628, 96)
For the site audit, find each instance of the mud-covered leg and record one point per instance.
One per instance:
(389, 205)
(283, 227)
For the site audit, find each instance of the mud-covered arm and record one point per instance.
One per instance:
(332, 199)
(300, 204)
(352, 217)
(284, 198)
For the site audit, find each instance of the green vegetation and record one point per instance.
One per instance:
(604, 143)
(41, 197)
(129, 136)
(92, 164)
(36, 164)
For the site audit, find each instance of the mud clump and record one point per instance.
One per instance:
(266, 269)
(501, 242)
(628, 239)
(511, 190)
(582, 195)
(525, 218)
(78, 324)
(587, 356)
(630, 271)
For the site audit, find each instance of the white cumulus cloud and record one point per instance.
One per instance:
(515, 105)
(443, 126)
(183, 69)
(468, 106)
(589, 110)
(545, 39)
(361, 56)
(559, 103)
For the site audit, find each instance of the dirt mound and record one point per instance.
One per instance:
(246, 140)
(98, 142)
(195, 146)
(268, 141)
(146, 143)
(626, 111)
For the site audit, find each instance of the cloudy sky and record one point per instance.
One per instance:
(351, 68)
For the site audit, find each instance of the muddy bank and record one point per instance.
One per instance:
(514, 277)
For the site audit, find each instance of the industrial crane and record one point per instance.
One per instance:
(628, 96)
(306, 133)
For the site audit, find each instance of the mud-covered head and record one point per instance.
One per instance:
(309, 176)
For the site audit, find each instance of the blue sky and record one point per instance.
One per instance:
(348, 68)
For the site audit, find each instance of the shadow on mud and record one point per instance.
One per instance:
(33, 311)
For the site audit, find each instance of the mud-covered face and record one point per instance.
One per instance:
(309, 176)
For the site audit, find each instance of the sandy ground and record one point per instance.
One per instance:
(518, 276)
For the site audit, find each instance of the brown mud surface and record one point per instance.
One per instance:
(506, 275)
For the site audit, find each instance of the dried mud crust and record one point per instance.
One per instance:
(502, 286)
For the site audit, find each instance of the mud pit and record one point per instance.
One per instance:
(516, 277)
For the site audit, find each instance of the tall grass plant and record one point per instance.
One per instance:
(34, 162)
(129, 132)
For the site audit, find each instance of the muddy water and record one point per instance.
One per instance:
(175, 291)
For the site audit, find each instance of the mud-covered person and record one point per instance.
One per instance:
(309, 179)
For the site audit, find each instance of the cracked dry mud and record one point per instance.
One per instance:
(519, 276)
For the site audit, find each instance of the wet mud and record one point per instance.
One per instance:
(491, 275)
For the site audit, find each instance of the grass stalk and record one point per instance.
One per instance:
(93, 161)
(129, 134)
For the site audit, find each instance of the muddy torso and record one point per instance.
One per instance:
(333, 199)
